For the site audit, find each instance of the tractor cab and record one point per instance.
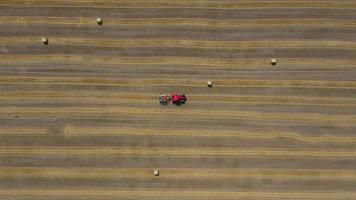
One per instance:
(178, 99)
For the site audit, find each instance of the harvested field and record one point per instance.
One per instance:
(80, 117)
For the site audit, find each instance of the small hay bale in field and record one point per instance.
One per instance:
(45, 41)
(99, 21)
(210, 84)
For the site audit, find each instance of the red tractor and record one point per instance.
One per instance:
(177, 99)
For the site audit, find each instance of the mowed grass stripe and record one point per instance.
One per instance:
(32, 151)
(119, 112)
(96, 96)
(181, 85)
(175, 173)
(103, 101)
(179, 43)
(262, 135)
(137, 82)
(174, 22)
(177, 22)
(206, 4)
(144, 193)
(76, 131)
(191, 62)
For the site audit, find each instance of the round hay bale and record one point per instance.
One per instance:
(99, 21)
(156, 172)
(210, 84)
(44, 41)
